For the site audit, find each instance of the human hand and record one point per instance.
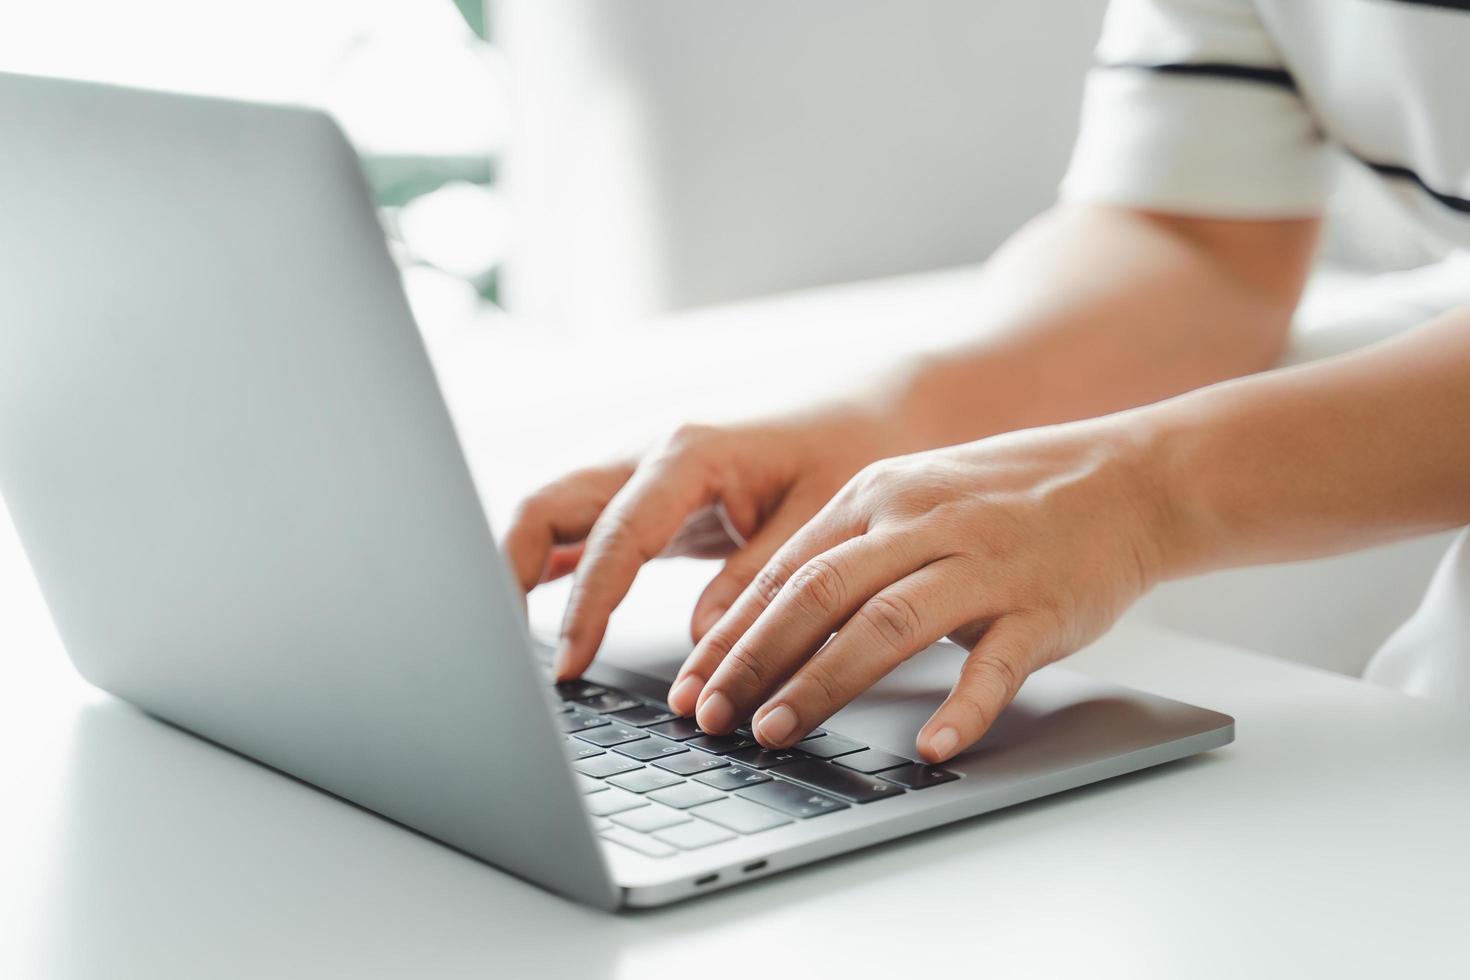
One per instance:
(736, 492)
(1021, 548)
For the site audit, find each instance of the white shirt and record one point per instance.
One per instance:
(1239, 108)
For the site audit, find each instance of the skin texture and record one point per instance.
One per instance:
(766, 479)
(1018, 493)
(996, 544)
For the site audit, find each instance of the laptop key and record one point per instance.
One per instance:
(651, 748)
(579, 749)
(694, 835)
(690, 763)
(608, 702)
(643, 780)
(612, 800)
(849, 785)
(611, 735)
(872, 760)
(643, 844)
(732, 777)
(759, 758)
(791, 799)
(579, 721)
(678, 729)
(606, 765)
(917, 775)
(685, 795)
(653, 817)
(643, 715)
(741, 816)
(586, 784)
(572, 690)
(721, 744)
(830, 746)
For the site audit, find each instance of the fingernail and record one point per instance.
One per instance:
(943, 743)
(717, 714)
(778, 724)
(683, 694)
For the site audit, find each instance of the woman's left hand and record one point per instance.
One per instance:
(1021, 548)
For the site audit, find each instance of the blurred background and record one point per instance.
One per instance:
(585, 190)
(641, 149)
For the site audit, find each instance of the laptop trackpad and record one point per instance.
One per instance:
(891, 713)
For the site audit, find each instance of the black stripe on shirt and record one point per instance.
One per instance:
(1282, 79)
(1278, 77)
(1394, 171)
(1446, 4)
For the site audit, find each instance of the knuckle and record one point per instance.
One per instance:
(745, 669)
(998, 673)
(825, 680)
(717, 644)
(767, 584)
(894, 619)
(1007, 673)
(869, 477)
(818, 588)
(615, 535)
(687, 437)
(971, 707)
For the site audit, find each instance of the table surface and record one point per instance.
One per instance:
(1333, 835)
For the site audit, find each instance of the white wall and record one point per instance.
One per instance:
(678, 152)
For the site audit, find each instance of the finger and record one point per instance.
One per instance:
(990, 678)
(563, 561)
(887, 629)
(827, 529)
(707, 533)
(815, 601)
(636, 525)
(743, 566)
(560, 513)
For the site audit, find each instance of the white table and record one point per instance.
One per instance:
(1334, 835)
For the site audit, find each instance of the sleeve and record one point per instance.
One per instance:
(1190, 109)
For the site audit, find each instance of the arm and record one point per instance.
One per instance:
(1026, 546)
(1328, 457)
(1097, 309)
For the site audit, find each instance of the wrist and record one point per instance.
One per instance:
(1163, 460)
(840, 436)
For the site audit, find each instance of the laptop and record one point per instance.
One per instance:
(239, 486)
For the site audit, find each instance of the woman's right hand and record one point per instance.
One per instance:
(736, 492)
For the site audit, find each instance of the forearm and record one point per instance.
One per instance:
(1093, 310)
(1324, 458)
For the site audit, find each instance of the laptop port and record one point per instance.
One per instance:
(751, 868)
(707, 880)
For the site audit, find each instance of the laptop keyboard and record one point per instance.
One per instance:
(658, 785)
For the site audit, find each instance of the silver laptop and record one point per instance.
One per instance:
(238, 484)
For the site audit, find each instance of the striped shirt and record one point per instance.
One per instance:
(1236, 108)
(1239, 108)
